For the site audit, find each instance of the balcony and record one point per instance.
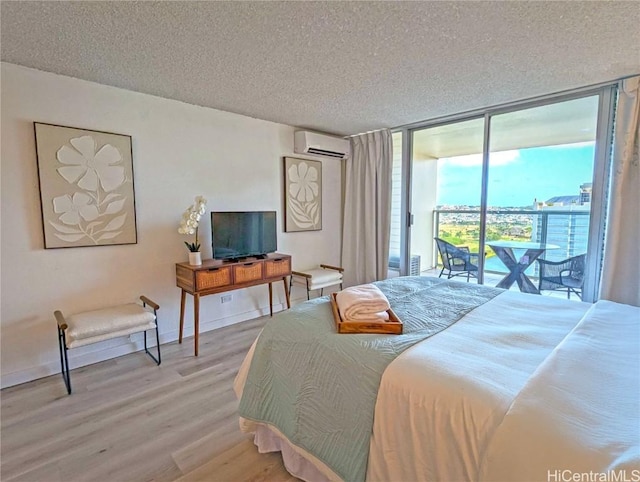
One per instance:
(564, 226)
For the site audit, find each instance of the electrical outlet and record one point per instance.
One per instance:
(226, 298)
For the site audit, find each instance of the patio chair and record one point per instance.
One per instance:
(457, 260)
(563, 275)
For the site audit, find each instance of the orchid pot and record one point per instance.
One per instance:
(195, 258)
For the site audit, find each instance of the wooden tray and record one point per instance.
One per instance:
(393, 326)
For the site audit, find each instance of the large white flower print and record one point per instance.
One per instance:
(303, 195)
(94, 211)
(90, 167)
(304, 182)
(80, 205)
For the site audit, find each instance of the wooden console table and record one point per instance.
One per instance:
(218, 276)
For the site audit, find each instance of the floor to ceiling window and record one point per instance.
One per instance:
(503, 182)
(446, 181)
(539, 183)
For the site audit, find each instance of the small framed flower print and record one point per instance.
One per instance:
(302, 195)
(86, 187)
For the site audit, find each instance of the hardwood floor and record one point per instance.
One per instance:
(129, 420)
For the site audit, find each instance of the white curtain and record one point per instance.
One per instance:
(367, 208)
(621, 260)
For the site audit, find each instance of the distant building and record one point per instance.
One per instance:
(582, 199)
(585, 193)
(565, 223)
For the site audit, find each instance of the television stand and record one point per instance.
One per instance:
(215, 276)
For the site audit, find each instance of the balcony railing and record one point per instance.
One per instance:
(568, 229)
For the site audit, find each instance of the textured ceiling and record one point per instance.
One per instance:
(341, 67)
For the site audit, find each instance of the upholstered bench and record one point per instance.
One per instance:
(317, 278)
(99, 325)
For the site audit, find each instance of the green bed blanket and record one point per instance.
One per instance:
(319, 388)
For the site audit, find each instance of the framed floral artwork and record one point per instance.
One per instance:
(86, 187)
(302, 195)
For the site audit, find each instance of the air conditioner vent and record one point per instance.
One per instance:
(323, 152)
(314, 143)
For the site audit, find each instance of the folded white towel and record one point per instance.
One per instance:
(362, 302)
(374, 318)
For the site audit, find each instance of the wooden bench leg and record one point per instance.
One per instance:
(64, 361)
(146, 350)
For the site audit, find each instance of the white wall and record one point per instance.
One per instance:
(179, 151)
(424, 198)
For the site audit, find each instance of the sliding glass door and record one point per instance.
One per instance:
(518, 184)
(446, 181)
(539, 183)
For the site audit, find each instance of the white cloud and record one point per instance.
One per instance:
(474, 160)
(574, 145)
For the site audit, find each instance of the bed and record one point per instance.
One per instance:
(484, 385)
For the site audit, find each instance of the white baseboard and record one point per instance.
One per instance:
(133, 343)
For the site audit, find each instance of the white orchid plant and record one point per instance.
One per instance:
(190, 221)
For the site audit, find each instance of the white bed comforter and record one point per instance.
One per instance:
(441, 400)
(458, 405)
(580, 411)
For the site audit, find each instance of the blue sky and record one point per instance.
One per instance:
(516, 177)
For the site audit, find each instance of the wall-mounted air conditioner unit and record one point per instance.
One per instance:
(306, 142)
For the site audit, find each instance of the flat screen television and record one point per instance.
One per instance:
(237, 235)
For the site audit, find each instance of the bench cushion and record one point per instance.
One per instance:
(93, 326)
(321, 278)
(107, 336)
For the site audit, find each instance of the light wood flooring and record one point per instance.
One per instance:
(130, 420)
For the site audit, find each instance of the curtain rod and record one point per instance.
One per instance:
(367, 132)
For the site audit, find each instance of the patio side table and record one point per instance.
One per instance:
(517, 267)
